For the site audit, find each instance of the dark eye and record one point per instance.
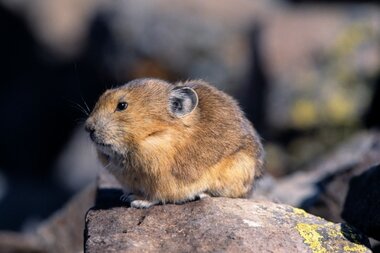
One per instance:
(121, 106)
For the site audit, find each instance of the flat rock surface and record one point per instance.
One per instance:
(217, 225)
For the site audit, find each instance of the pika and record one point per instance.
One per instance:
(172, 143)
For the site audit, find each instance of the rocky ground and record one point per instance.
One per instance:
(62, 232)
(212, 225)
(217, 225)
(338, 219)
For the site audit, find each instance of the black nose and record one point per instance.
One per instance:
(91, 130)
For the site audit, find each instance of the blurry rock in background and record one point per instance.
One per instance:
(321, 189)
(343, 185)
(305, 75)
(61, 233)
(60, 26)
(37, 94)
(322, 61)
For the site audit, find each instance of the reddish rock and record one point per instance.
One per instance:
(216, 225)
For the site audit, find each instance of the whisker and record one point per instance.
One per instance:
(80, 121)
(78, 107)
(109, 164)
(87, 107)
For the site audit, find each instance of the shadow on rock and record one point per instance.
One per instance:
(108, 198)
(362, 204)
(353, 235)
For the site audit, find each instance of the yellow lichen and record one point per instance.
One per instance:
(304, 113)
(300, 212)
(338, 108)
(355, 248)
(333, 233)
(311, 237)
(350, 39)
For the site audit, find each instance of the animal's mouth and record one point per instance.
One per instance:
(98, 142)
(107, 150)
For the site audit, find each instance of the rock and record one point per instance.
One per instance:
(217, 225)
(210, 225)
(11, 242)
(61, 233)
(321, 189)
(362, 205)
(210, 41)
(351, 159)
(108, 192)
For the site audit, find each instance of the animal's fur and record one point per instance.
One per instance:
(160, 157)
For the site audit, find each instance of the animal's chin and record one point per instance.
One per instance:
(105, 150)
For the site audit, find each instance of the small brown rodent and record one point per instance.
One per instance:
(175, 142)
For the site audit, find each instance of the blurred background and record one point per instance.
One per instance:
(306, 73)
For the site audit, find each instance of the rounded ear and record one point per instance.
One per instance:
(182, 101)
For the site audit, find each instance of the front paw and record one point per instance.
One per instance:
(140, 203)
(202, 196)
(137, 201)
